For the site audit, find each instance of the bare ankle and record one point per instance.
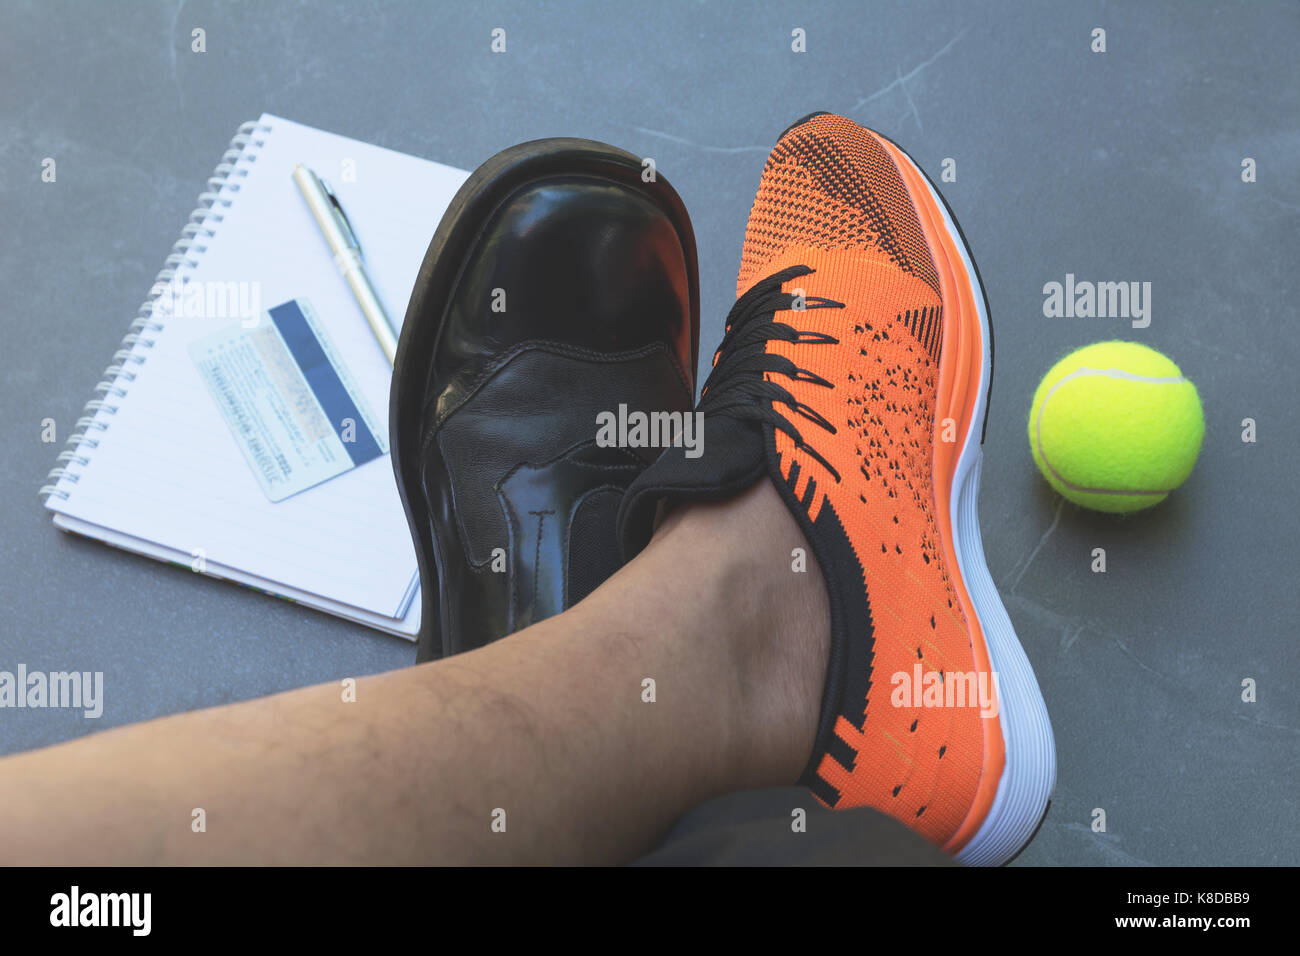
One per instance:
(769, 607)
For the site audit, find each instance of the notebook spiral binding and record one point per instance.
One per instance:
(130, 351)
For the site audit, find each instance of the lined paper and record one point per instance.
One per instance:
(167, 478)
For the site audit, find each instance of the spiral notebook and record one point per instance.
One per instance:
(177, 455)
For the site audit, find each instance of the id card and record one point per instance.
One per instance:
(288, 399)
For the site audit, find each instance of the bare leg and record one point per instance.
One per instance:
(549, 726)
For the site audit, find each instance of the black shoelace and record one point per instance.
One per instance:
(738, 387)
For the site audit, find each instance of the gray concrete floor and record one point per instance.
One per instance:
(1116, 166)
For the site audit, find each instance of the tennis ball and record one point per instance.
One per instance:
(1115, 426)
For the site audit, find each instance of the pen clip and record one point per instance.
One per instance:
(344, 222)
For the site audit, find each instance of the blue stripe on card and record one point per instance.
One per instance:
(324, 381)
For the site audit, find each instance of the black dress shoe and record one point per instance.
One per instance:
(558, 286)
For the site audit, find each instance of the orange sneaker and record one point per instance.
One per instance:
(854, 373)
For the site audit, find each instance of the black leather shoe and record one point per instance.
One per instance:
(558, 286)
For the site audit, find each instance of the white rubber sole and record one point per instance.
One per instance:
(1029, 776)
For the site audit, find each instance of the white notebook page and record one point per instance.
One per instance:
(167, 469)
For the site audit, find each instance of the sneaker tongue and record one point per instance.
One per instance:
(732, 459)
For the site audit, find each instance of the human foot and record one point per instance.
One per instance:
(854, 374)
(745, 569)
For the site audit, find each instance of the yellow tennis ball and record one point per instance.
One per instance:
(1115, 426)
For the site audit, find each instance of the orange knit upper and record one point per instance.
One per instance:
(832, 198)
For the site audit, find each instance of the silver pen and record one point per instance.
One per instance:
(333, 222)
